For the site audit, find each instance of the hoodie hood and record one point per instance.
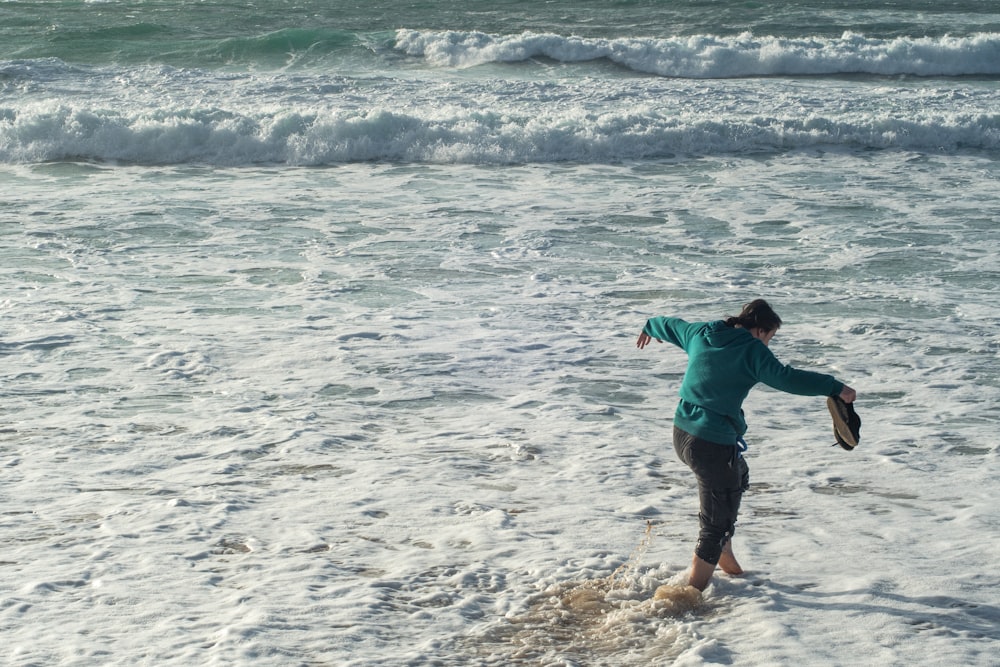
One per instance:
(717, 334)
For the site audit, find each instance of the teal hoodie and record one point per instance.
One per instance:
(724, 363)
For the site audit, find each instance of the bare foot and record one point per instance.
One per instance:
(728, 562)
(701, 573)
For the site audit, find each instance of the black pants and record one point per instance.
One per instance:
(723, 476)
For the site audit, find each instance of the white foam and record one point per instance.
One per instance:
(394, 413)
(711, 56)
(456, 135)
(160, 115)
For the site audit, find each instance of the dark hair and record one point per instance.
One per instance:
(756, 314)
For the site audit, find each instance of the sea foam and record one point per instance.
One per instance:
(709, 56)
(455, 135)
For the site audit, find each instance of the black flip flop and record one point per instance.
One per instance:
(846, 422)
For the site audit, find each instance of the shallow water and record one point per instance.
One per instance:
(268, 416)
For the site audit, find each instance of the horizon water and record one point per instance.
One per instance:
(318, 324)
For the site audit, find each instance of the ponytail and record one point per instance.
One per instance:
(757, 314)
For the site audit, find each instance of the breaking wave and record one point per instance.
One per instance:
(707, 56)
(455, 135)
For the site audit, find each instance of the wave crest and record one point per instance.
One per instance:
(707, 56)
(454, 135)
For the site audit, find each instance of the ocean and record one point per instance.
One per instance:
(318, 329)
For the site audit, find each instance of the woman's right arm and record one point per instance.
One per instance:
(670, 329)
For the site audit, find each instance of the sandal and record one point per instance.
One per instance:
(846, 422)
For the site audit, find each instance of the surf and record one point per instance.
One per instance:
(716, 57)
(314, 137)
(591, 619)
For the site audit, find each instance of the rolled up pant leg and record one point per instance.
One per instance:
(722, 476)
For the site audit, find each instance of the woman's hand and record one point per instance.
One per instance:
(643, 340)
(848, 395)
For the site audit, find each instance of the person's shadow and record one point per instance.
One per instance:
(935, 613)
(961, 618)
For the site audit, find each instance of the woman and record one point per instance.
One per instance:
(725, 360)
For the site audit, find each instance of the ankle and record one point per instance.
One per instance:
(701, 573)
